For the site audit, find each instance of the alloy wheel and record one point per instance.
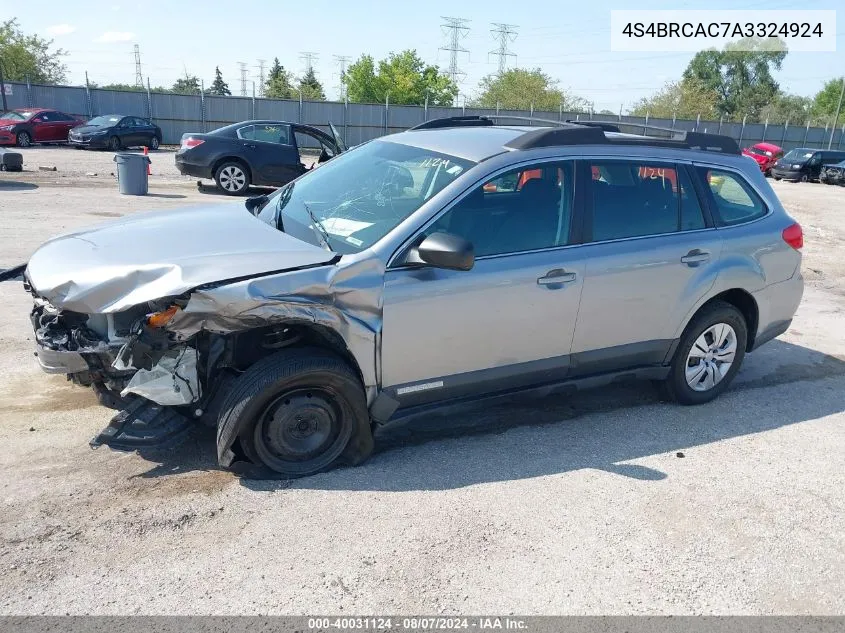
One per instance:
(232, 178)
(710, 357)
(24, 140)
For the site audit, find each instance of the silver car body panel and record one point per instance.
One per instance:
(146, 256)
(410, 330)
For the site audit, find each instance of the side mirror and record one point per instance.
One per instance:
(444, 250)
(252, 204)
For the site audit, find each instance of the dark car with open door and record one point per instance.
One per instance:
(116, 131)
(25, 126)
(263, 153)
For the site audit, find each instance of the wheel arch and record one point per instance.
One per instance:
(743, 301)
(232, 159)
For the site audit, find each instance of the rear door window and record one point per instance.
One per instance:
(636, 199)
(267, 133)
(732, 199)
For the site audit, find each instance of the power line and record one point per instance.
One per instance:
(341, 61)
(261, 63)
(456, 30)
(139, 80)
(243, 78)
(503, 33)
(308, 59)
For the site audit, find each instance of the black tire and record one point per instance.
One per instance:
(114, 144)
(232, 178)
(78, 147)
(24, 139)
(777, 177)
(805, 178)
(154, 143)
(676, 386)
(288, 402)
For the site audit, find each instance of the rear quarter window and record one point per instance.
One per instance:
(732, 199)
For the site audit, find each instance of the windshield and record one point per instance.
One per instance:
(758, 151)
(104, 121)
(798, 155)
(16, 116)
(354, 200)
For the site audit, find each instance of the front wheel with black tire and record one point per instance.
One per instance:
(297, 413)
(114, 143)
(232, 178)
(24, 139)
(709, 354)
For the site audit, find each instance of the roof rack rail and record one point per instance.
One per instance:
(591, 133)
(455, 121)
(577, 134)
(604, 125)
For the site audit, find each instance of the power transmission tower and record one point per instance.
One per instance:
(139, 80)
(456, 30)
(308, 58)
(341, 61)
(243, 78)
(261, 77)
(503, 33)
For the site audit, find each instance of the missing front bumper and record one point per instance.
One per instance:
(143, 424)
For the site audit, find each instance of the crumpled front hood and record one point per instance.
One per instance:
(114, 266)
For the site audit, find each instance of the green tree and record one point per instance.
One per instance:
(787, 107)
(218, 86)
(23, 56)
(685, 99)
(519, 88)
(187, 85)
(740, 75)
(279, 82)
(310, 88)
(118, 86)
(403, 78)
(826, 101)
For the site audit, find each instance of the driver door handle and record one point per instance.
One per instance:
(556, 277)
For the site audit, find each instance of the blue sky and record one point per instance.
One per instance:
(568, 40)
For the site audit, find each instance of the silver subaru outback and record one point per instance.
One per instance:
(456, 261)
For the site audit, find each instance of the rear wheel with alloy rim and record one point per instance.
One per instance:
(709, 354)
(232, 178)
(24, 139)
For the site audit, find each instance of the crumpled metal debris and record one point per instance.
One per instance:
(172, 381)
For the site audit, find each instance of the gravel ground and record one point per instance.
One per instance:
(607, 502)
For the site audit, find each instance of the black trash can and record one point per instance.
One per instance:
(132, 173)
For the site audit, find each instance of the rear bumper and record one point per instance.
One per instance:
(776, 305)
(187, 168)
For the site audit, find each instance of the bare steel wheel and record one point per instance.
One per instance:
(232, 178)
(709, 354)
(711, 357)
(297, 412)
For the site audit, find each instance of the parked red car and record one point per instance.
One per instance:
(25, 126)
(765, 154)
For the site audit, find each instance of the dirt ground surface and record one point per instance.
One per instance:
(606, 502)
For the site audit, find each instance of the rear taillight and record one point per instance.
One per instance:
(794, 236)
(188, 143)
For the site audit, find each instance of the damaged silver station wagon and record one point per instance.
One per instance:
(457, 260)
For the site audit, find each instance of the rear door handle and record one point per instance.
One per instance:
(695, 257)
(556, 277)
